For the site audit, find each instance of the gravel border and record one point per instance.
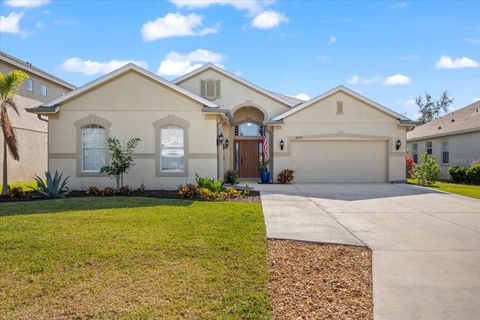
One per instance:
(320, 281)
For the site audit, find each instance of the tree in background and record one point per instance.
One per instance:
(9, 85)
(122, 159)
(430, 109)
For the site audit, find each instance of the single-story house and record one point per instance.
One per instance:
(30, 130)
(453, 139)
(210, 121)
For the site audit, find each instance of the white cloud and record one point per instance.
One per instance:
(239, 73)
(360, 80)
(396, 79)
(89, 67)
(175, 25)
(252, 6)
(471, 41)
(11, 23)
(476, 99)
(303, 96)
(268, 19)
(256, 9)
(410, 103)
(333, 40)
(176, 64)
(445, 62)
(26, 3)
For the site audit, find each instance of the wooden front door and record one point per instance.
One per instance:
(247, 156)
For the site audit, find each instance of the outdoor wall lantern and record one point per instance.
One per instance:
(282, 144)
(398, 144)
(225, 144)
(220, 139)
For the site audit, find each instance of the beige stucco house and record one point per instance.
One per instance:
(453, 139)
(210, 121)
(31, 131)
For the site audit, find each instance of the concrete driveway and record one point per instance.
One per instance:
(426, 244)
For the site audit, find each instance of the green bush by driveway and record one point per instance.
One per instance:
(132, 258)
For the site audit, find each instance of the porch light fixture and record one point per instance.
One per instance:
(282, 144)
(220, 139)
(398, 144)
(225, 144)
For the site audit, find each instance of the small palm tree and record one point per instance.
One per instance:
(9, 86)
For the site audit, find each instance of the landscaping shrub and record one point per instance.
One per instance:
(473, 173)
(232, 192)
(208, 183)
(18, 193)
(141, 189)
(459, 174)
(409, 164)
(108, 191)
(188, 190)
(124, 191)
(426, 172)
(53, 186)
(93, 191)
(286, 176)
(207, 194)
(231, 176)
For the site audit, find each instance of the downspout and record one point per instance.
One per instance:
(219, 146)
(39, 116)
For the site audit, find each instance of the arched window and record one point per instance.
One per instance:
(248, 129)
(172, 149)
(94, 148)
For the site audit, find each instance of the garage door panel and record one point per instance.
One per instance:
(339, 161)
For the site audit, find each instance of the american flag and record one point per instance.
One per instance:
(265, 146)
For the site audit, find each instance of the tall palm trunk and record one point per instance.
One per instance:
(5, 178)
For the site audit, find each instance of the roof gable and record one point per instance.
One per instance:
(463, 120)
(278, 97)
(53, 106)
(347, 91)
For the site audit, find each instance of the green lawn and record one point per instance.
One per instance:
(462, 189)
(132, 258)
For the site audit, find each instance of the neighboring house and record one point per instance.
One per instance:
(453, 139)
(31, 131)
(210, 121)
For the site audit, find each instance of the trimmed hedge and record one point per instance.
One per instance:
(469, 174)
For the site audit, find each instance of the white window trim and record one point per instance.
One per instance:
(443, 151)
(46, 90)
(179, 122)
(431, 147)
(26, 85)
(82, 148)
(176, 148)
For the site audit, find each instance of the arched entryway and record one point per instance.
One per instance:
(247, 141)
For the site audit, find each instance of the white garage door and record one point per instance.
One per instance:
(339, 161)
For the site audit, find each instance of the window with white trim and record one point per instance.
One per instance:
(94, 148)
(445, 152)
(43, 90)
(29, 85)
(210, 89)
(429, 147)
(415, 152)
(249, 129)
(172, 149)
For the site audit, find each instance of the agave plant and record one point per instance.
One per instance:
(52, 187)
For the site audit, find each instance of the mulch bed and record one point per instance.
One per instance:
(254, 196)
(320, 281)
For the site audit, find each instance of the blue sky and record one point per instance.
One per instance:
(389, 51)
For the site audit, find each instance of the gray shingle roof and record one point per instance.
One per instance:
(462, 120)
(292, 100)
